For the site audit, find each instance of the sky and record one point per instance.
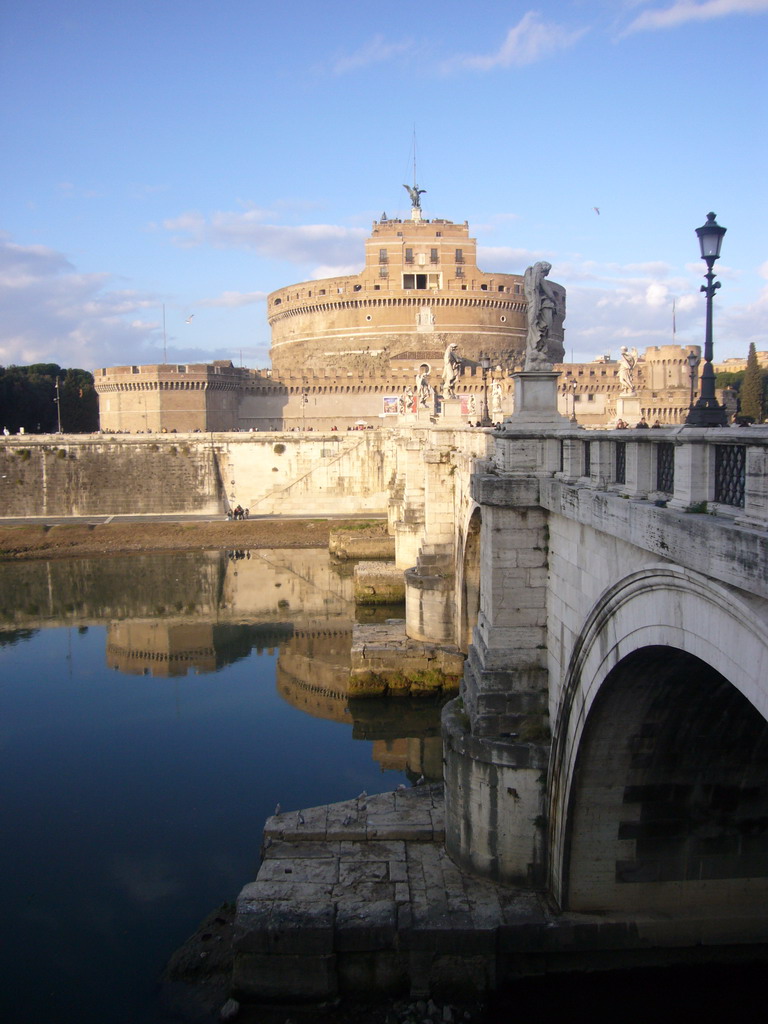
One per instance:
(180, 160)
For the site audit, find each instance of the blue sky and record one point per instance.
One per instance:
(200, 154)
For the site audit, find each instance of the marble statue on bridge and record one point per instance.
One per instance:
(546, 312)
(627, 370)
(452, 363)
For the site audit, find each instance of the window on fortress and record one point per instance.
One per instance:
(483, 287)
(459, 255)
(421, 281)
(358, 287)
(433, 256)
(278, 301)
(409, 255)
(501, 287)
(459, 271)
(438, 234)
(383, 257)
(383, 272)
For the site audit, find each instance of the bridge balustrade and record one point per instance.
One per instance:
(690, 470)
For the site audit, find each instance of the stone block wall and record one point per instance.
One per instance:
(94, 476)
(319, 474)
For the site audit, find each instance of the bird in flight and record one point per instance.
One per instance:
(189, 318)
(597, 210)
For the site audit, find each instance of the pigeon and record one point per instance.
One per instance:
(277, 809)
(299, 818)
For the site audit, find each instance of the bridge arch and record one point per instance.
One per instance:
(468, 577)
(665, 699)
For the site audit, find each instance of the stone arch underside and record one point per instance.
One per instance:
(658, 798)
(469, 584)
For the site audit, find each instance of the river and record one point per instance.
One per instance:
(153, 711)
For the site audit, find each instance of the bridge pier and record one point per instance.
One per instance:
(496, 736)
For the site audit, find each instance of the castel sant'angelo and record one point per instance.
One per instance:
(362, 349)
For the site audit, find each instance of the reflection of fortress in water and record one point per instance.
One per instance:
(169, 615)
(168, 649)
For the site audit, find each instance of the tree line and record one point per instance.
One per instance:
(28, 399)
(751, 385)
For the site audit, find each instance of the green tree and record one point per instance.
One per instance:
(28, 399)
(751, 394)
(729, 379)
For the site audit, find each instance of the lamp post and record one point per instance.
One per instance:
(707, 412)
(569, 386)
(485, 365)
(693, 360)
(57, 400)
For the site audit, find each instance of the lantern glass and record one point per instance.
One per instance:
(710, 238)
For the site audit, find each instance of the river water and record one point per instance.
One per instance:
(153, 711)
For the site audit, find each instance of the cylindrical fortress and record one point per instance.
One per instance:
(419, 291)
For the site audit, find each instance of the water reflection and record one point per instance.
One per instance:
(143, 745)
(167, 615)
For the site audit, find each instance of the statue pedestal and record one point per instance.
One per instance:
(628, 408)
(451, 412)
(536, 401)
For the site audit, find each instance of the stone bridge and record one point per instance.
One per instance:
(610, 743)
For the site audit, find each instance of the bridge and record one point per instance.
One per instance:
(610, 743)
(608, 751)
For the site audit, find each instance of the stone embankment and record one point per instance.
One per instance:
(386, 662)
(361, 541)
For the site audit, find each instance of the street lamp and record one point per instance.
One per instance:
(693, 359)
(569, 387)
(708, 412)
(57, 400)
(304, 401)
(485, 365)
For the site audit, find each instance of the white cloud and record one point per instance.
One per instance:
(377, 51)
(51, 312)
(683, 11)
(527, 42)
(308, 243)
(612, 304)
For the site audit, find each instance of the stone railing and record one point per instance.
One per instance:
(721, 472)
